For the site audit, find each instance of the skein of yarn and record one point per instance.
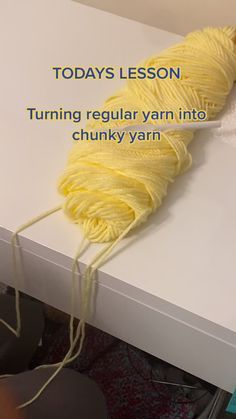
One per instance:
(111, 188)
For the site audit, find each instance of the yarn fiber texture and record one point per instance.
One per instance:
(107, 186)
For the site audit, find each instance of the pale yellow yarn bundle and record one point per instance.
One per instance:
(111, 188)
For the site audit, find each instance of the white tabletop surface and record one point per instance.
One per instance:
(185, 254)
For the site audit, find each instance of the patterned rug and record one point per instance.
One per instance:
(126, 376)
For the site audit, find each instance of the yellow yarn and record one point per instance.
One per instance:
(112, 188)
(108, 186)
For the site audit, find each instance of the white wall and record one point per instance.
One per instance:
(179, 16)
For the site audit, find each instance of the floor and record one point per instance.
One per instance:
(127, 376)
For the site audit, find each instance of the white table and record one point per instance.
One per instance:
(168, 289)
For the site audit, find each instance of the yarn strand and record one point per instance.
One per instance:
(86, 295)
(14, 245)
